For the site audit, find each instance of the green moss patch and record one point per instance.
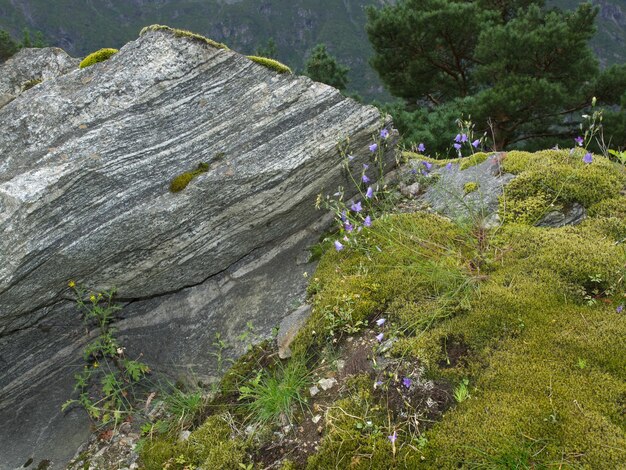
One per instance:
(271, 64)
(209, 447)
(181, 33)
(98, 56)
(31, 83)
(473, 160)
(554, 178)
(470, 187)
(181, 181)
(539, 336)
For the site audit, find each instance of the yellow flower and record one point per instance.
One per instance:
(71, 284)
(96, 365)
(92, 298)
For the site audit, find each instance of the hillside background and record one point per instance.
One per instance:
(245, 25)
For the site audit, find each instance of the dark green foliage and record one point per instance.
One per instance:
(323, 67)
(270, 64)
(98, 56)
(523, 75)
(8, 46)
(269, 50)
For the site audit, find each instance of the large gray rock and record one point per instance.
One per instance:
(30, 66)
(86, 160)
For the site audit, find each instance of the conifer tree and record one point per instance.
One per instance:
(321, 66)
(8, 46)
(523, 73)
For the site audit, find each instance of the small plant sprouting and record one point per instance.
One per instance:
(461, 392)
(106, 384)
(581, 363)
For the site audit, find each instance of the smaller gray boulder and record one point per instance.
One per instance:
(29, 67)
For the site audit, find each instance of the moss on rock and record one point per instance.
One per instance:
(209, 447)
(473, 160)
(181, 181)
(271, 64)
(181, 33)
(553, 178)
(98, 56)
(470, 187)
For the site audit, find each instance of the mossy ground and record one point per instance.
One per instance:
(526, 316)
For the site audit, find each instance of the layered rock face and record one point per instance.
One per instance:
(86, 161)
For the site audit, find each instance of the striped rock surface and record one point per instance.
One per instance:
(86, 160)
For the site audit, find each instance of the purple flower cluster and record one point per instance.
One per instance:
(353, 218)
(460, 139)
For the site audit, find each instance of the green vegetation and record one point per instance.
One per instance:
(182, 33)
(470, 187)
(473, 160)
(98, 56)
(181, 181)
(511, 65)
(9, 46)
(548, 298)
(323, 67)
(517, 331)
(109, 374)
(270, 64)
(276, 393)
(211, 446)
(553, 179)
(31, 83)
